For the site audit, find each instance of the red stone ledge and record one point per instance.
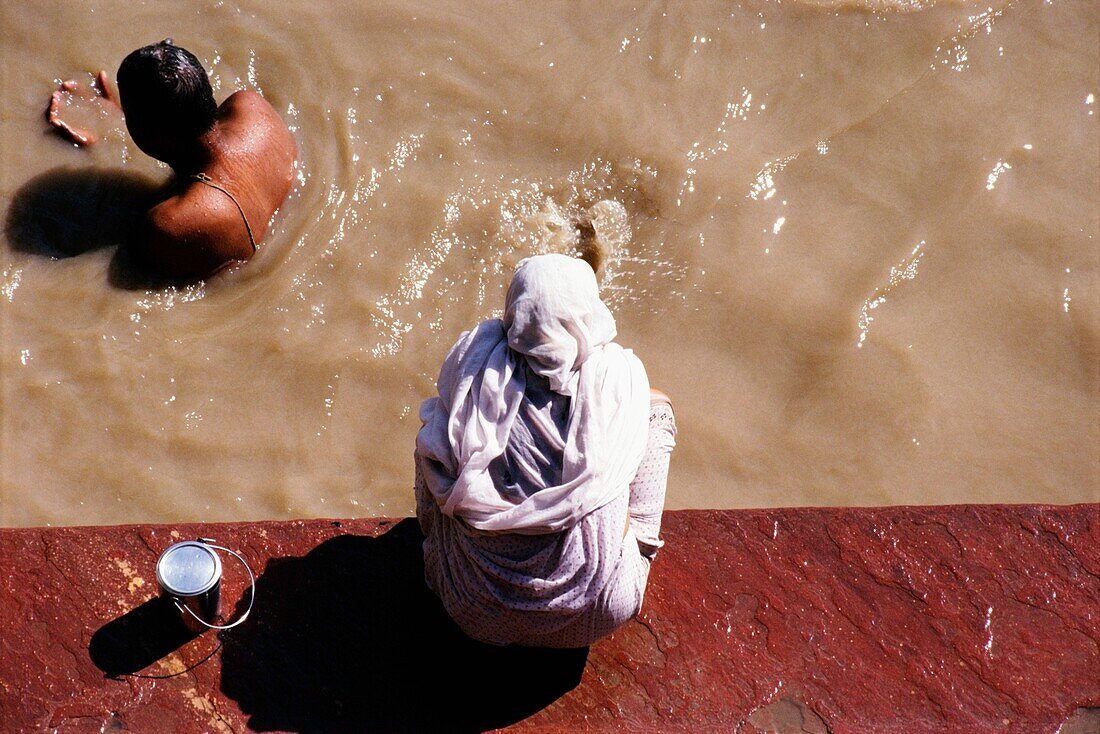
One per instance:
(905, 619)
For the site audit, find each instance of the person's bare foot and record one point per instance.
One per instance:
(100, 91)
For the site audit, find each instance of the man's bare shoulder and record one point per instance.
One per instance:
(247, 98)
(250, 108)
(191, 235)
(188, 217)
(250, 124)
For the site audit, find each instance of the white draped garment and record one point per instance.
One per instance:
(524, 465)
(556, 326)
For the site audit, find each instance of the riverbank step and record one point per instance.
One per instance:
(909, 619)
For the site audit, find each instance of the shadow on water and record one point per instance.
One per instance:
(68, 212)
(349, 638)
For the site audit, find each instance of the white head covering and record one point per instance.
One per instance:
(554, 319)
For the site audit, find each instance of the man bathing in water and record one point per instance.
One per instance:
(233, 164)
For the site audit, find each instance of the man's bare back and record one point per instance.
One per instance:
(250, 154)
(233, 164)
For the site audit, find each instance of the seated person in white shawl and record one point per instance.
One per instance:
(541, 468)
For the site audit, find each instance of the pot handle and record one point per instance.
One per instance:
(251, 591)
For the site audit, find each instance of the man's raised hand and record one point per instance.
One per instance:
(98, 93)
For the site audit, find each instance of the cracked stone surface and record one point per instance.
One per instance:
(934, 619)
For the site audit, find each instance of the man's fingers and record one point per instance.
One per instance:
(55, 103)
(78, 136)
(104, 85)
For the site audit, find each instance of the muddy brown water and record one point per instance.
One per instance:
(855, 242)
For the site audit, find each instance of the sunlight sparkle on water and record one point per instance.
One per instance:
(763, 186)
(11, 280)
(903, 271)
(735, 111)
(998, 169)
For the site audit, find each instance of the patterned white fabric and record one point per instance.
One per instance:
(565, 589)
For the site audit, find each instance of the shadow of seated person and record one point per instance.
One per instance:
(350, 638)
(67, 212)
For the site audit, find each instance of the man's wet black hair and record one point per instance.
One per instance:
(166, 85)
